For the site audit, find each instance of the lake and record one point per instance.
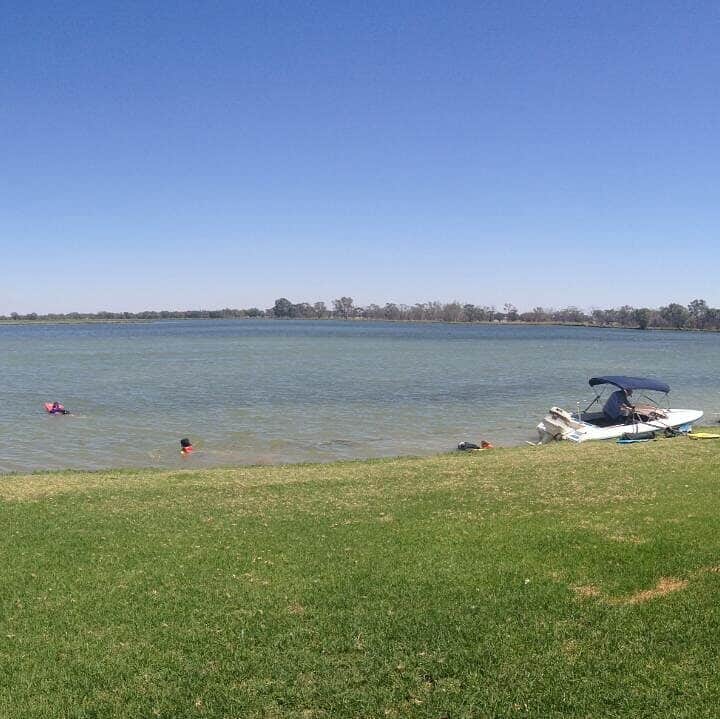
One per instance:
(263, 391)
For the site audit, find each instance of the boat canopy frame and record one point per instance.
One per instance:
(625, 383)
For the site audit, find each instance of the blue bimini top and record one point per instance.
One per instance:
(631, 383)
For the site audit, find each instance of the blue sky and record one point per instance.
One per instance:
(210, 154)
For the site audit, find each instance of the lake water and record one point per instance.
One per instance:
(259, 391)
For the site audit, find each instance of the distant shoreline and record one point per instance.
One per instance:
(696, 315)
(517, 323)
(88, 321)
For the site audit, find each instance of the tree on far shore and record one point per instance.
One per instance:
(343, 307)
(675, 315)
(642, 317)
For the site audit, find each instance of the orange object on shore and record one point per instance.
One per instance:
(470, 447)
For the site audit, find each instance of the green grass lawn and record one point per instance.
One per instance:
(539, 581)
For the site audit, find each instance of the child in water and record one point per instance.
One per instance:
(186, 447)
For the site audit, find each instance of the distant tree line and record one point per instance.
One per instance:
(145, 315)
(696, 315)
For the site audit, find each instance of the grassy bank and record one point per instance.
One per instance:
(554, 581)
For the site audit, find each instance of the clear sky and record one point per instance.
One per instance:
(209, 154)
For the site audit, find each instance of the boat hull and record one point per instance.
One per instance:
(557, 426)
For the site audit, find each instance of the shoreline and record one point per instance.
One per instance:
(318, 464)
(519, 323)
(124, 469)
(187, 466)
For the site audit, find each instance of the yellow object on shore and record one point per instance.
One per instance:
(703, 435)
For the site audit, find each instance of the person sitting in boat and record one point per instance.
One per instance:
(618, 406)
(57, 408)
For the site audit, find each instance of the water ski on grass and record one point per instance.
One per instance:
(471, 447)
(634, 437)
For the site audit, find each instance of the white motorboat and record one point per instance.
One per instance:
(639, 419)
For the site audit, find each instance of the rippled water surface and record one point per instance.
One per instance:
(272, 391)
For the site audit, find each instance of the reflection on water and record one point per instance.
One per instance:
(267, 392)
